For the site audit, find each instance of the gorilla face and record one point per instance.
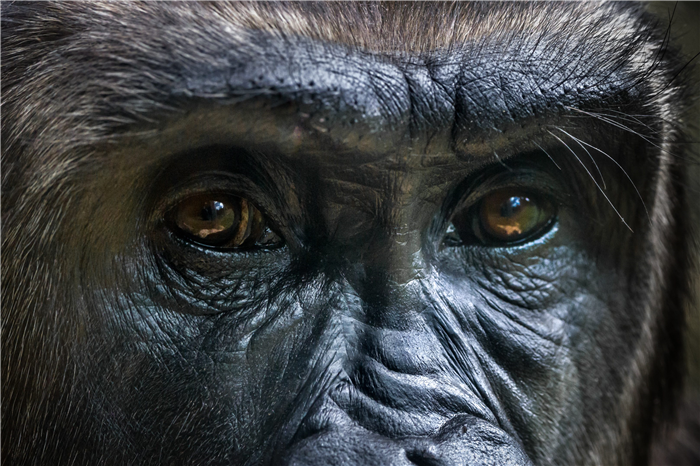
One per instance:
(338, 234)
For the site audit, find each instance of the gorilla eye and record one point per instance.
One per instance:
(222, 221)
(502, 218)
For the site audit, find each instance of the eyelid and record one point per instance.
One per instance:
(214, 182)
(249, 227)
(528, 179)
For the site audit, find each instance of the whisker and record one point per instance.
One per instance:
(631, 117)
(501, 162)
(547, 153)
(639, 195)
(589, 155)
(594, 180)
(614, 123)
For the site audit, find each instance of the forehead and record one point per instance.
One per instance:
(405, 70)
(400, 69)
(416, 27)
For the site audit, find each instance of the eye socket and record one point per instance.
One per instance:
(502, 218)
(221, 221)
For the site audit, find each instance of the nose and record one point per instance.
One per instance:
(462, 441)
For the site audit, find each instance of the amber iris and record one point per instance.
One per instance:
(220, 220)
(510, 215)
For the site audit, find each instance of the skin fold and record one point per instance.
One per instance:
(373, 315)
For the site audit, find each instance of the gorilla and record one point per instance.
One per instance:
(349, 233)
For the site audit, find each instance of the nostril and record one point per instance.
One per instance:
(346, 443)
(348, 446)
(423, 458)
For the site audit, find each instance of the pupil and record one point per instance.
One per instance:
(212, 211)
(511, 207)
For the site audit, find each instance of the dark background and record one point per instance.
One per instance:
(685, 35)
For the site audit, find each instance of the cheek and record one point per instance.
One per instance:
(211, 378)
(533, 316)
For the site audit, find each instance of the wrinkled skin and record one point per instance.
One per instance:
(366, 334)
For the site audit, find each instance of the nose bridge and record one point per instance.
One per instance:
(391, 249)
(395, 254)
(376, 221)
(387, 274)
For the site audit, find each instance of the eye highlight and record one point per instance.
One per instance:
(509, 215)
(221, 221)
(502, 218)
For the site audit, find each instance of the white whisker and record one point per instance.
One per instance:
(589, 155)
(614, 123)
(550, 157)
(639, 195)
(593, 179)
